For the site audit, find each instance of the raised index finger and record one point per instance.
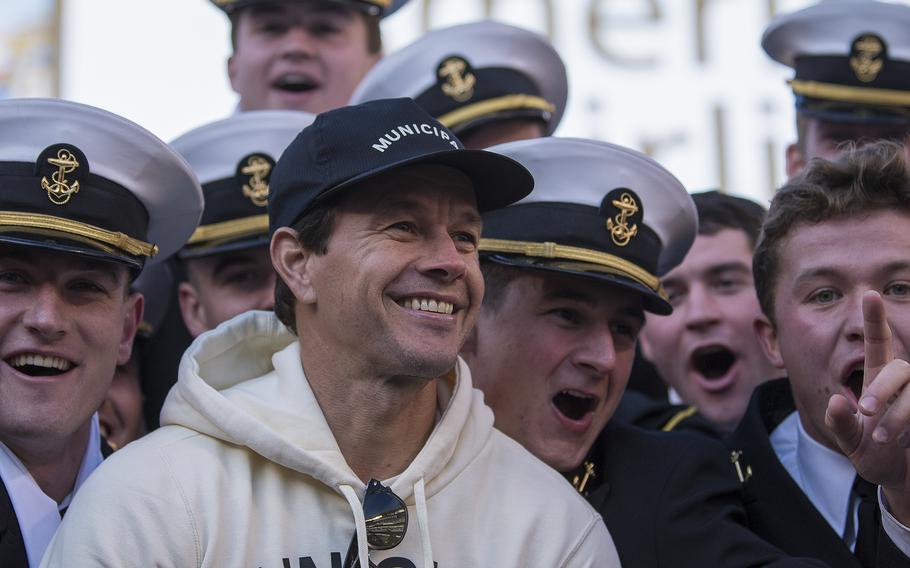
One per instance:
(877, 336)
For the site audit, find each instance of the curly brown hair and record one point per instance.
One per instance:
(863, 180)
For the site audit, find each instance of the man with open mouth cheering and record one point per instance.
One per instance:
(88, 198)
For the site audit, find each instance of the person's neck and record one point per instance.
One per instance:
(380, 423)
(53, 463)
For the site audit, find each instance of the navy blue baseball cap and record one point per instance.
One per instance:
(350, 145)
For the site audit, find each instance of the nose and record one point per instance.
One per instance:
(45, 316)
(701, 309)
(596, 353)
(297, 43)
(853, 318)
(443, 260)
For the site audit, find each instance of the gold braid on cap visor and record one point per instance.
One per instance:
(586, 260)
(847, 94)
(234, 228)
(489, 106)
(118, 240)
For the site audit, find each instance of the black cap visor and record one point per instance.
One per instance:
(498, 181)
(71, 244)
(651, 300)
(362, 5)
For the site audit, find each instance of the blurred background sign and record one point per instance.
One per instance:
(29, 48)
(684, 80)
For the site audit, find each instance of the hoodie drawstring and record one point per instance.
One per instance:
(423, 522)
(360, 524)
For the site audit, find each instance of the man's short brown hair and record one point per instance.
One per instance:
(496, 278)
(313, 232)
(863, 180)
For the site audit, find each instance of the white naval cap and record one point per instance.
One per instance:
(474, 73)
(233, 159)
(80, 179)
(851, 58)
(597, 210)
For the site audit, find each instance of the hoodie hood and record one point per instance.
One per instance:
(246, 472)
(243, 383)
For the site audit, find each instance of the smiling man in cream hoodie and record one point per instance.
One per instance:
(276, 427)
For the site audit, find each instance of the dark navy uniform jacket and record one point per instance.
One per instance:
(12, 547)
(776, 507)
(672, 499)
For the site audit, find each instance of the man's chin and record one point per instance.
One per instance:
(429, 367)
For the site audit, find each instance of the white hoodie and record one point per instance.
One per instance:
(247, 473)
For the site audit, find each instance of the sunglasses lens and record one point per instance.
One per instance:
(386, 517)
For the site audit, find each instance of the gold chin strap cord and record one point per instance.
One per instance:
(844, 93)
(599, 260)
(489, 106)
(230, 229)
(118, 240)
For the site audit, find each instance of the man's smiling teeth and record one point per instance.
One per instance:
(426, 305)
(40, 361)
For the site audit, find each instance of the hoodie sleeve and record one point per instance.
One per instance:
(595, 548)
(146, 524)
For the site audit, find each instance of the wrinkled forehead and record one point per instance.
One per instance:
(423, 185)
(872, 240)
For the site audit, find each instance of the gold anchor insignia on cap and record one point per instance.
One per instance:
(60, 191)
(257, 188)
(867, 57)
(620, 231)
(459, 81)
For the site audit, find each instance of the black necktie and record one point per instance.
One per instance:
(869, 521)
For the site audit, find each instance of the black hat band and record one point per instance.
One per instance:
(463, 95)
(373, 6)
(97, 209)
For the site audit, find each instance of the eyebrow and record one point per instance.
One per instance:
(393, 206)
(75, 263)
(568, 294)
(231, 260)
(103, 267)
(272, 8)
(819, 272)
(732, 266)
(896, 266)
(833, 272)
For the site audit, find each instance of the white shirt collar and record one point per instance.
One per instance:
(673, 396)
(825, 476)
(39, 515)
